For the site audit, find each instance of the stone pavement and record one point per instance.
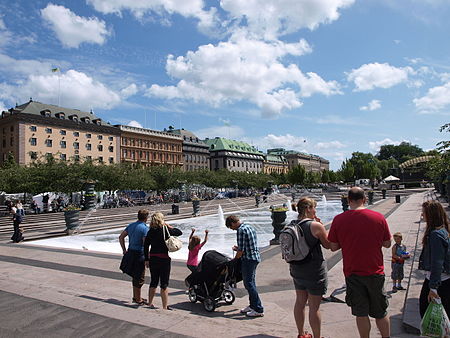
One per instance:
(58, 292)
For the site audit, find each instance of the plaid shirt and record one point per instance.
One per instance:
(247, 242)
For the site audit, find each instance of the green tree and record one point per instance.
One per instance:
(402, 152)
(347, 171)
(297, 175)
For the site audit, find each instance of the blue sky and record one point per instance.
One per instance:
(327, 77)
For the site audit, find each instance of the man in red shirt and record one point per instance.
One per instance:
(361, 233)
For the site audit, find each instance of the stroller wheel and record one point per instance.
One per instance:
(228, 296)
(192, 296)
(209, 304)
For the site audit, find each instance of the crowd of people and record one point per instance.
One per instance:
(360, 233)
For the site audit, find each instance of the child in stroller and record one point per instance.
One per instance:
(214, 279)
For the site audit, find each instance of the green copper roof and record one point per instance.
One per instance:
(274, 158)
(220, 143)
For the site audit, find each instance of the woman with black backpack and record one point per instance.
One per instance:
(309, 274)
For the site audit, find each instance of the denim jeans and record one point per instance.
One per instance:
(249, 279)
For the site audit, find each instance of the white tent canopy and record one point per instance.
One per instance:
(391, 178)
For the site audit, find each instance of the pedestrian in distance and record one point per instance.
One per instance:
(194, 248)
(157, 258)
(18, 214)
(361, 234)
(247, 250)
(309, 274)
(136, 233)
(435, 257)
(399, 255)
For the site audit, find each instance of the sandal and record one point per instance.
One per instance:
(142, 302)
(169, 308)
(153, 307)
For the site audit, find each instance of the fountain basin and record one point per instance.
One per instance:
(220, 238)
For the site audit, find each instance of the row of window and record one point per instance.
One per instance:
(75, 133)
(195, 158)
(73, 117)
(136, 142)
(11, 142)
(244, 164)
(149, 156)
(10, 128)
(63, 157)
(63, 144)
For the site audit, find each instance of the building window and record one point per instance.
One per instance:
(88, 135)
(76, 145)
(88, 146)
(76, 134)
(62, 132)
(100, 147)
(111, 149)
(48, 130)
(48, 142)
(33, 128)
(4, 143)
(100, 159)
(100, 137)
(111, 160)
(11, 128)
(62, 144)
(110, 138)
(77, 158)
(89, 158)
(62, 157)
(33, 155)
(33, 141)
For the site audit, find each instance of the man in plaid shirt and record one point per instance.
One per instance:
(247, 250)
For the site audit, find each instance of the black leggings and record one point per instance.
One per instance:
(159, 272)
(443, 292)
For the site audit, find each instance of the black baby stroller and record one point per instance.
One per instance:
(213, 281)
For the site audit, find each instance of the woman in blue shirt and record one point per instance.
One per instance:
(435, 257)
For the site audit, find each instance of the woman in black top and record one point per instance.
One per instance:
(158, 259)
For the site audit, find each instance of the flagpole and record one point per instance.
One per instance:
(59, 89)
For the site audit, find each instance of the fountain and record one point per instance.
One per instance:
(220, 238)
(220, 216)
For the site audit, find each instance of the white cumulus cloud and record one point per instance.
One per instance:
(162, 8)
(73, 30)
(134, 123)
(375, 145)
(436, 99)
(243, 69)
(372, 105)
(18, 68)
(381, 75)
(76, 90)
(130, 90)
(3, 107)
(287, 141)
(230, 132)
(272, 18)
(330, 145)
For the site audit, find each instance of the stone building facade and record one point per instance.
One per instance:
(234, 155)
(195, 151)
(150, 147)
(33, 131)
(294, 158)
(275, 164)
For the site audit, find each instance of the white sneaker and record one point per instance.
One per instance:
(246, 309)
(253, 313)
